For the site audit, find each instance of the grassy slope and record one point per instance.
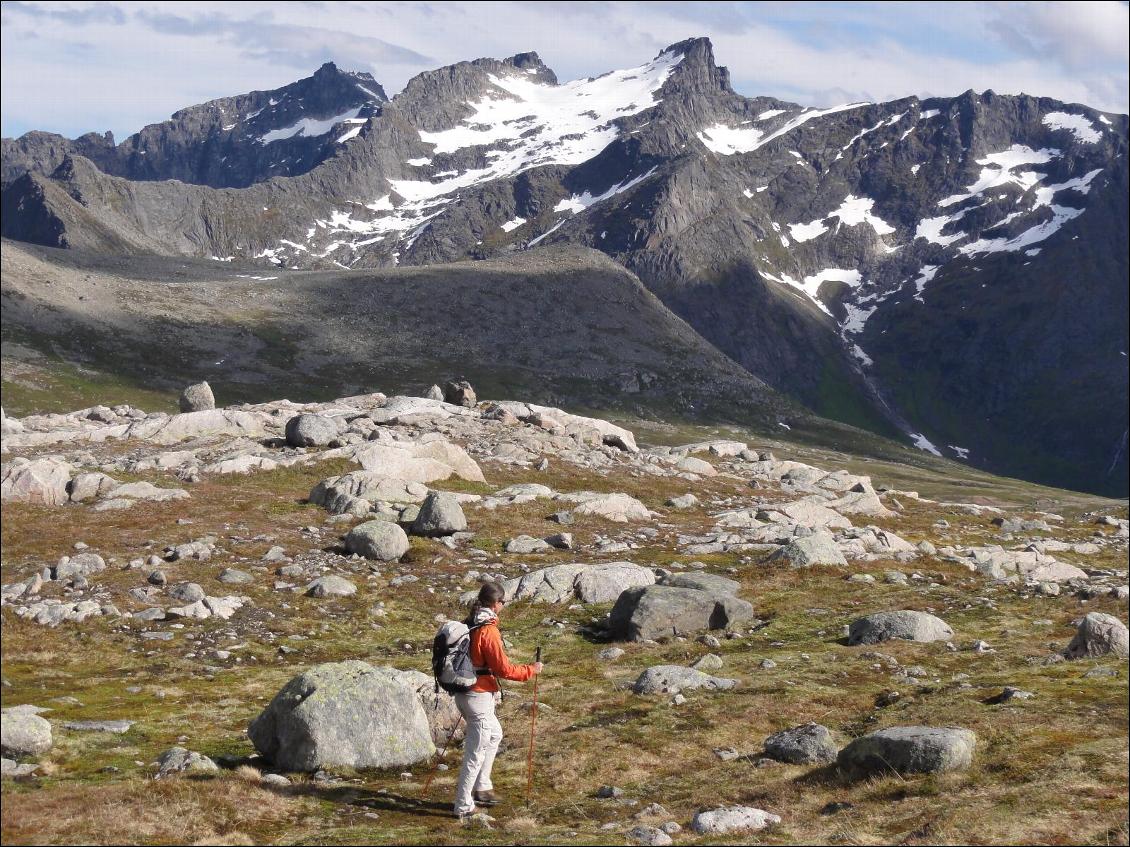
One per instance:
(1048, 770)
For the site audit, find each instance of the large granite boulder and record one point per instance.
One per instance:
(908, 750)
(459, 393)
(381, 540)
(816, 549)
(312, 430)
(808, 744)
(23, 733)
(357, 491)
(619, 508)
(440, 514)
(657, 611)
(439, 706)
(197, 398)
(672, 679)
(344, 714)
(906, 625)
(703, 582)
(425, 461)
(601, 583)
(39, 481)
(90, 486)
(731, 819)
(804, 513)
(1098, 635)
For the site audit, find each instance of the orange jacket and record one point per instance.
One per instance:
(486, 652)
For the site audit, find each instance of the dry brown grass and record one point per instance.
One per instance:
(221, 810)
(1048, 770)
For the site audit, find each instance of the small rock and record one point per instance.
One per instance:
(732, 819)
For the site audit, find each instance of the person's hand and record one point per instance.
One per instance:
(538, 667)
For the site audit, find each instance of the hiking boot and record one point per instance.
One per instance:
(486, 798)
(465, 817)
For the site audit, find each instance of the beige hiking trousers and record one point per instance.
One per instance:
(484, 734)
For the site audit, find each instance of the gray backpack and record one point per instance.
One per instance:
(451, 658)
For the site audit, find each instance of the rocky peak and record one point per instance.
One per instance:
(532, 64)
(696, 73)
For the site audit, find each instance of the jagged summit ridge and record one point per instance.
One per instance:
(814, 246)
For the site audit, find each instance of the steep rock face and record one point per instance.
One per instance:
(232, 142)
(951, 271)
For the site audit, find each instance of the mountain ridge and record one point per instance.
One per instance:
(789, 238)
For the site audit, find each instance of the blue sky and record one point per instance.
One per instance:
(74, 67)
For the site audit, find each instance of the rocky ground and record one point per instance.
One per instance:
(217, 627)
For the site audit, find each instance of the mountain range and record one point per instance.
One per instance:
(950, 272)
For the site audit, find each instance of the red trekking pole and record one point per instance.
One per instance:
(533, 728)
(431, 776)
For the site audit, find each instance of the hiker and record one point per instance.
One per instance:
(484, 732)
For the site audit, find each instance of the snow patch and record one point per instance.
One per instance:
(811, 285)
(1077, 125)
(925, 275)
(533, 123)
(308, 127)
(771, 113)
(860, 356)
(806, 232)
(726, 141)
(857, 210)
(730, 140)
(580, 202)
(513, 224)
(998, 171)
(923, 443)
(352, 132)
(548, 232)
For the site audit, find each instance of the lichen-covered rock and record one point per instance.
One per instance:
(343, 714)
(1098, 635)
(357, 491)
(816, 549)
(672, 679)
(312, 430)
(619, 508)
(659, 611)
(418, 462)
(39, 481)
(906, 625)
(381, 540)
(177, 760)
(601, 583)
(197, 398)
(330, 586)
(90, 486)
(807, 513)
(732, 819)
(439, 706)
(440, 514)
(81, 564)
(23, 733)
(808, 744)
(703, 582)
(909, 749)
(459, 393)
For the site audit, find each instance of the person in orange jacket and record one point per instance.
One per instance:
(484, 732)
